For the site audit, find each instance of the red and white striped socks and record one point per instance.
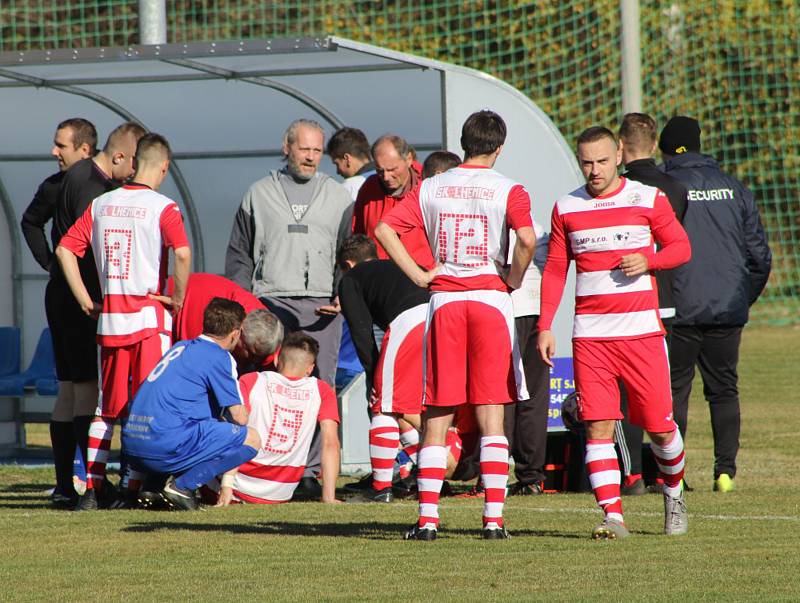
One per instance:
(409, 441)
(602, 466)
(494, 476)
(431, 468)
(100, 434)
(671, 461)
(384, 437)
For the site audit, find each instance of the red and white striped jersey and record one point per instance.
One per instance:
(597, 232)
(466, 213)
(129, 230)
(285, 412)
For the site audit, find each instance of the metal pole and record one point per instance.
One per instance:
(152, 22)
(631, 64)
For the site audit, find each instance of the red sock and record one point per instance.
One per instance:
(431, 468)
(384, 436)
(100, 433)
(494, 475)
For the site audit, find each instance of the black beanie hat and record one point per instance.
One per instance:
(680, 135)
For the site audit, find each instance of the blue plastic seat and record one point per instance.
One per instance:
(47, 387)
(42, 366)
(9, 351)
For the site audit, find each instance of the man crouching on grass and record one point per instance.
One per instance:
(284, 409)
(171, 429)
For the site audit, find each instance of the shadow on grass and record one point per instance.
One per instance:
(17, 488)
(370, 531)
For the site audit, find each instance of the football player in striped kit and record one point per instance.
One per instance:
(609, 228)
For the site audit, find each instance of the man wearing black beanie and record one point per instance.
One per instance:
(713, 292)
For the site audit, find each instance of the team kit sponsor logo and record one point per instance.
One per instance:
(120, 211)
(465, 192)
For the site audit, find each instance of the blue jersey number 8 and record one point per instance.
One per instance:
(162, 366)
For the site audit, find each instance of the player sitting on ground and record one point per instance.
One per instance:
(171, 429)
(284, 410)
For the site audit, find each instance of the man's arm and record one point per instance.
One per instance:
(359, 320)
(239, 262)
(669, 234)
(36, 216)
(72, 273)
(554, 278)
(759, 256)
(330, 459)
(524, 248)
(388, 237)
(182, 269)
(72, 246)
(222, 380)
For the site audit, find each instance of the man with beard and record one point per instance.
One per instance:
(283, 248)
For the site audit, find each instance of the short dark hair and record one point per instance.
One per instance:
(222, 316)
(638, 131)
(129, 128)
(83, 132)
(596, 133)
(350, 141)
(152, 147)
(439, 161)
(298, 341)
(482, 133)
(356, 248)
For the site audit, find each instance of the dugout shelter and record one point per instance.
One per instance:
(224, 106)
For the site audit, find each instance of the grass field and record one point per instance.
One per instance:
(742, 546)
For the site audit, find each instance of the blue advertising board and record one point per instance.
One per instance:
(562, 384)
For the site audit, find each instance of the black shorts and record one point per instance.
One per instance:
(74, 334)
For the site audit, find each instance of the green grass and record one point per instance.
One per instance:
(741, 547)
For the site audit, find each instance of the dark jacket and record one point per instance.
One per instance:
(730, 257)
(646, 172)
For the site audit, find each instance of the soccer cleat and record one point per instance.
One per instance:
(477, 491)
(610, 529)
(308, 489)
(418, 533)
(125, 500)
(365, 483)
(491, 531)
(87, 501)
(635, 489)
(151, 501)
(405, 487)
(369, 496)
(724, 483)
(676, 518)
(521, 489)
(62, 501)
(177, 498)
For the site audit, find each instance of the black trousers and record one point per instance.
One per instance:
(525, 423)
(715, 350)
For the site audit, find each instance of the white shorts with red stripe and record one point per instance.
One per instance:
(471, 351)
(398, 376)
(266, 484)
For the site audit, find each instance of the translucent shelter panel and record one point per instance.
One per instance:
(340, 59)
(29, 117)
(216, 115)
(405, 102)
(78, 72)
(218, 186)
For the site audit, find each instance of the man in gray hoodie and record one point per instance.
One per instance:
(284, 240)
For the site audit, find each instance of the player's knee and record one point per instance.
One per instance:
(253, 439)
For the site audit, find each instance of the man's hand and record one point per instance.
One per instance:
(633, 264)
(331, 310)
(424, 277)
(546, 344)
(91, 308)
(169, 302)
(331, 501)
(225, 497)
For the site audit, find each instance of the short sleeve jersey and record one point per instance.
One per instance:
(466, 213)
(129, 230)
(188, 385)
(285, 412)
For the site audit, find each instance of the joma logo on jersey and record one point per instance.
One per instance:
(284, 429)
(465, 192)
